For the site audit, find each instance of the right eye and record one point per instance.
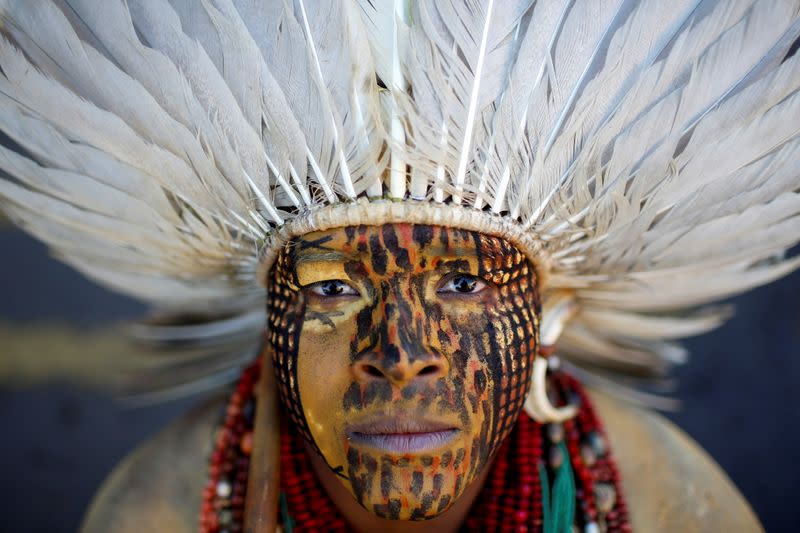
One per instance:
(332, 288)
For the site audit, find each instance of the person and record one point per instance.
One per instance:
(436, 198)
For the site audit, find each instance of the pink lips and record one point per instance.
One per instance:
(402, 435)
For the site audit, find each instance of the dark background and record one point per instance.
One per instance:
(59, 439)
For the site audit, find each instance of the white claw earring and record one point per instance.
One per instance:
(557, 311)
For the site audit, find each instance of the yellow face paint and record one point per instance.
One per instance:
(403, 355)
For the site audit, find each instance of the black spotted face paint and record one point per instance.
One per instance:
(403, 354)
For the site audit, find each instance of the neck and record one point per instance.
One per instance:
(364, 521)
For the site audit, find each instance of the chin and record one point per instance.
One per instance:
(410, 487)
(410, 508)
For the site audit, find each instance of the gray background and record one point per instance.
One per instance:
(59, 439)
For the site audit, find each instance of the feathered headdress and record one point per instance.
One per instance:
(644, 154)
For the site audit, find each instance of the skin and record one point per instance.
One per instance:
(403, 356)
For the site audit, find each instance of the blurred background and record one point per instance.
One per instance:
(61, 435)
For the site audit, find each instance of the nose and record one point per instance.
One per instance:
(400, 353)
(399, 367)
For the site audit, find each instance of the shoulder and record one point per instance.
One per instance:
(158, 487)
(670, 483)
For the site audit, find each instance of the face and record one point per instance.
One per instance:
(403, 356)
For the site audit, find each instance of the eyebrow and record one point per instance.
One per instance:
(311, 271)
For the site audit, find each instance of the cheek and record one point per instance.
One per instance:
(324, 375)
(311, 359)
(497, 370)
(516, 341)
(476, 376)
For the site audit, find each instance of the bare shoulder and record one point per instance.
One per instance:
(670, 483)
(158, 487)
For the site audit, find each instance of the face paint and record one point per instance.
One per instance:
(403, 355)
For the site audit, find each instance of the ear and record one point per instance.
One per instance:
(557, 310)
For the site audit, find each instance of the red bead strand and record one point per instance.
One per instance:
(604, 470)
(224, 494)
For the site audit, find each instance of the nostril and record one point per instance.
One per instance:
(430, 369)
(372, 371)
(397, 372)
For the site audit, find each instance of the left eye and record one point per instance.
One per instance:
(332, 287)
(463, 284)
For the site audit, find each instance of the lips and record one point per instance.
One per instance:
(403, 435)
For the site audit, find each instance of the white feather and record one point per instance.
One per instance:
(650, 148)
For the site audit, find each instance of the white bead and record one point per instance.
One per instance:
(224, 489)
(553, 363)
(591, 527)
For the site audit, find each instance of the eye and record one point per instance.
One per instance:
(463, 284)
(332, 288)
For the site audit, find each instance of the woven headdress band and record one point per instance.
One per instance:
(376, 212)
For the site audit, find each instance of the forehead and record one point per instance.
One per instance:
(405, 247)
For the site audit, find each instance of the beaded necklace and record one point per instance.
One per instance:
(548, 478)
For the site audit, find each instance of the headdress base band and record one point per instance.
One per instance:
(365, 211)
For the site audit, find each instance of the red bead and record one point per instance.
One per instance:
(246, 444)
